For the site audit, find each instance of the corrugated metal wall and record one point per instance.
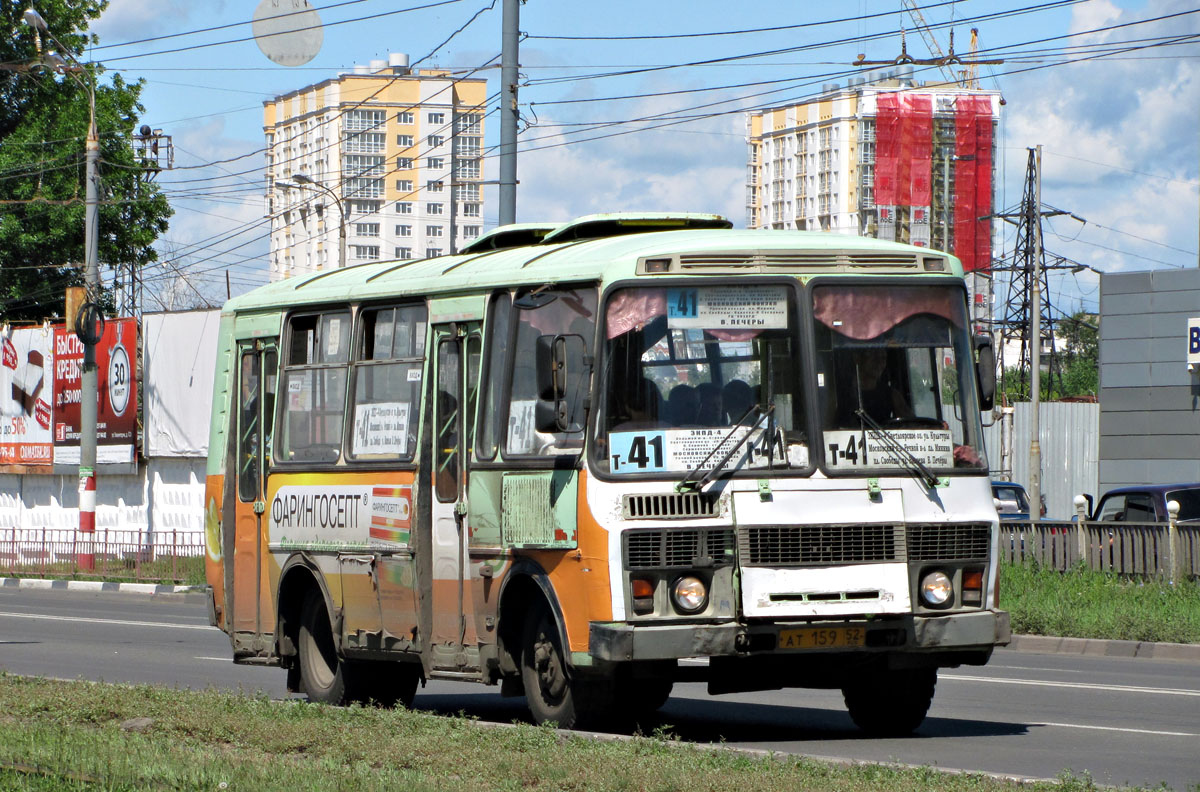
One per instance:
(1069, 435)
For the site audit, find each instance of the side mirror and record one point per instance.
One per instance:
(560, 372)
(985, 371)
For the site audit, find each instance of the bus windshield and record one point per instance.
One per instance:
(895, 378)
(701, 376)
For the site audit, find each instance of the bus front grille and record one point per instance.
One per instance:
(659, 549)
(669, 506)
(949, 542)
(819, 545)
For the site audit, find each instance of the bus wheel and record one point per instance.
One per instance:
(322, 673)
(893, 703)
(544, 672)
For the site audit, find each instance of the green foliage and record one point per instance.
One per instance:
(43, 130)
(1076, 372)
(1082, 603)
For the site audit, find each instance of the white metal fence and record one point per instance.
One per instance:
(1148, 549)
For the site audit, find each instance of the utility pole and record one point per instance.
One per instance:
(1035, 352)
(508, 111)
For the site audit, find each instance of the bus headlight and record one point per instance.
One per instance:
(936, 589)
(689, 594)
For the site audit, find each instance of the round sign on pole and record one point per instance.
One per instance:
(288, 32)
(118, 379)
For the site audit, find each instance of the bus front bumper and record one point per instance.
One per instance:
(624, 642)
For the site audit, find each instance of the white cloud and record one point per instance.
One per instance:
(127, 20)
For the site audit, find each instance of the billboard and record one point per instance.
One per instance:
(116, 413)
(26, 397)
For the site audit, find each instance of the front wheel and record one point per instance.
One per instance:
(544, 672)
(892, 703)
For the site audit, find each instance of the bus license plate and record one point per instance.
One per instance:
(822, 638)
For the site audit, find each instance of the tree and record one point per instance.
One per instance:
(1078, 362)
(43, 130)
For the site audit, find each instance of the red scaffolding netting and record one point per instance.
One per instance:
(903, 149)
(887, 148)
(973, 181)
(920, 121)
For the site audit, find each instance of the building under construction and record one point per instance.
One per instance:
(883, 156)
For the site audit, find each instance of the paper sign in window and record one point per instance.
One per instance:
(728, 308)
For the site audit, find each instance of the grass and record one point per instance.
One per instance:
(1082, 603)
(69, 735)
(188, 570)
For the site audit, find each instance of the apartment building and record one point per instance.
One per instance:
(883, 156)
(381, 163)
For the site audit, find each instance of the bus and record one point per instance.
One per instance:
(596, 460)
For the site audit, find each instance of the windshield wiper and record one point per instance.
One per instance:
(692, 484)
(914, 466)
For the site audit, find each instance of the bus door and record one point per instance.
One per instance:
(258, 366)
(456, 380)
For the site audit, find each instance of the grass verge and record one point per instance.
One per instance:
(81, 736)
(1082, 603)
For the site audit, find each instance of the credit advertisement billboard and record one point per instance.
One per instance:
(26, 397)
(116, 375)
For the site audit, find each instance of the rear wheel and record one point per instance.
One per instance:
(891, 703)
(324, 677)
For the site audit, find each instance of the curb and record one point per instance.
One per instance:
(1100, 647)
(95, 586)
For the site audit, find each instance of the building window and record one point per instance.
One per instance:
(467, 123)
(404, 117)
(468, 168)
(364, 188)
(354, 165)
(365, 252)
(403, 253)
(471, 210)
(434, 163)
(433, 208)
(403, 163)
(466, 192)
(433, 186)
(365, 142)
(435, 140)
(403, 207)
(437, 118)
(433, 230)
(433, 252)
(470, 232)
(403, 230)
(362, 120)
(404, 185)
(364, 207)
(366, 229)
(404, 140)
(469, 146)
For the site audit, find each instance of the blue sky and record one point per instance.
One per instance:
(1120, 133)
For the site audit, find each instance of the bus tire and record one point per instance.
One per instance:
(324, 677)
(548, 689)
(893, 703)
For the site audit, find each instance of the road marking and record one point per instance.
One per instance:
(41, 617)
(221, 659)
(1118, 729)
(1079, 685)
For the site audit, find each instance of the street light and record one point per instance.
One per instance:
(89, 390)
(302, 180)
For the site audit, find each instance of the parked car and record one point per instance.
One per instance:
(1147, 503)
(1012, 503)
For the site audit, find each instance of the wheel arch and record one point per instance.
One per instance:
(525, 584)
(300, 573)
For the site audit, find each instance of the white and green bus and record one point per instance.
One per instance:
(571, 458)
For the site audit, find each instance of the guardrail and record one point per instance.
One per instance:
(1151, 549)
(153, 556)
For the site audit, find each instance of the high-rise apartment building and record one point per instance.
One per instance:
(883, 157)
(382, 163)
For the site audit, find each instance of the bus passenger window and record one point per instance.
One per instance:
(315, 387)
(569, 312)
(387, 375)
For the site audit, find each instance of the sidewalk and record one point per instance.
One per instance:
(50, 584)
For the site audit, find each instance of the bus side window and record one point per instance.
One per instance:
(487, 437)
(548, 312)
(315, 387)
(386, 383)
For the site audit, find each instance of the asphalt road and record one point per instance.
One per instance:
(1133, 721)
